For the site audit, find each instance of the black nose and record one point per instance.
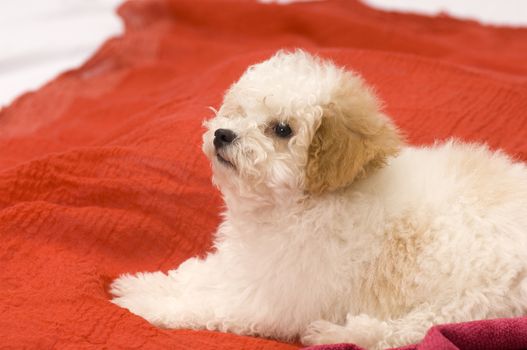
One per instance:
(222, 137)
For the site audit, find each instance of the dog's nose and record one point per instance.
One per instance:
(222, 137)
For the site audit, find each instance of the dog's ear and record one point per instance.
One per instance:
(352, 139)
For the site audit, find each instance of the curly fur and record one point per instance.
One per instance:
(340, 233)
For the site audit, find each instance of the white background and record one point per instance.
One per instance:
(42, 38)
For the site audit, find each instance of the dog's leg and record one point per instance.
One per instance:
(372, 333)
(183, 298)
(361, 330)
(199, 294)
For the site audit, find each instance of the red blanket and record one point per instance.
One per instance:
(101, 170)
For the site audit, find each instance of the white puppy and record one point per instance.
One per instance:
(334, 232)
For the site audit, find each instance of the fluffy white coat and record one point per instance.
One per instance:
(437, 235)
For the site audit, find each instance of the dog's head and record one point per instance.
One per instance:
(296, 125)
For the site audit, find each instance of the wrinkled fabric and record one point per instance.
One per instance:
(101, 171)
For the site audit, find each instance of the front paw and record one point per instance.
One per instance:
(361, 330)
(151, 283)
(153, 296)
(159, 311)
(323, 332)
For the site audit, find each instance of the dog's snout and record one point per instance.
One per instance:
(223, 137)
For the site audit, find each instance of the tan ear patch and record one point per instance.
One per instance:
(345, 148)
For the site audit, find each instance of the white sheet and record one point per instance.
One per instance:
(494, 12)
(42, 38)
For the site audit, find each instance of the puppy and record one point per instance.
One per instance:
(334, 230)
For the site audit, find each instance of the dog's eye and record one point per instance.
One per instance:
(282, 130)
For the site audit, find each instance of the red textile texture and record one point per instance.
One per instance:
(101, 171)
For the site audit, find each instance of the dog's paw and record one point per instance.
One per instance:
(149, 283)
(361, 330)
(153, 296)
(323, 332)
(367, 331)
(159, 311)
